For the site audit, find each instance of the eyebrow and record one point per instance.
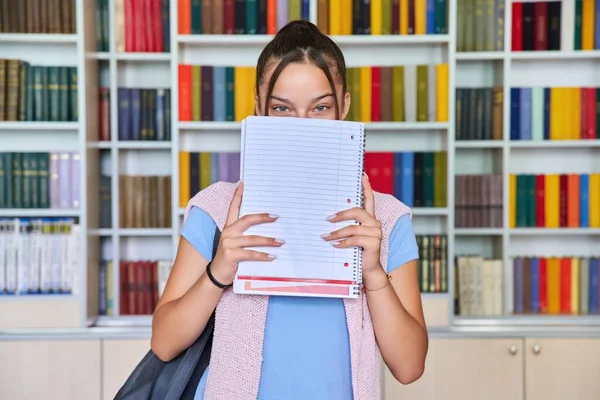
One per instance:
(321, 97)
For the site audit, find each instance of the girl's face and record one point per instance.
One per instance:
(302, 90)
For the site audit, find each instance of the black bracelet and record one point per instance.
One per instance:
(214, 280)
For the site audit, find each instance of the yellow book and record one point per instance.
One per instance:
(403, 17)
(376, 17)
(196, 93)
(184, 178)
(441, 92)
(594, 200)
(420, 17)
(205, 170)
(365, 94)
(555, 112)
(575, 131)
(512, 200)
(346, 16)
(575, 268)
(588, 12)
(551, 200)
(335, 17)
(251, 90)
(240, 98)
(553, 285)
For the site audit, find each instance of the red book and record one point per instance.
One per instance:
(565, 285)
(376, 94)
(271, 15)
(185, 92)
(157, 28)
(380, 169)
(517, 24)
(128, 8)
(540, 209)
(563, 199)
(540, 24)
(229, 16)
(184, 18)
(543, 286)
(590, 105)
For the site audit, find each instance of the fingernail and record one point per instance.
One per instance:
(274, 216)
(365, 174)
(331, 217)
(325, 235)
(271, 256)
(334, 243)
(280, 241)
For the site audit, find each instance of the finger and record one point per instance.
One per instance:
(366, 242)
(369, 196)
(353, 230)
(251, 255)
(242, 224)
(251, 241)
(357, 214)
(234, 207)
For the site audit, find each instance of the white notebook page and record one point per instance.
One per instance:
(303, 170)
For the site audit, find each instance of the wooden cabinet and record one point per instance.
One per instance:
(67, 369)
(120, 356)
(558, 369)
(465, 369)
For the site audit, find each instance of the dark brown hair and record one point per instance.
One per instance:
(301, 41)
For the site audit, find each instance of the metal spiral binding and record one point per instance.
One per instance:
(360, 199)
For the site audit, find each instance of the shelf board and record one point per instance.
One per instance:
(369, 126)
(123, 321)
(478, 144)
(528, 320)
(46, 38)
(132, 232)
(554, 55)
(345, 40)
(38, 126)
(478, 231)
(129, 56)
(37, 212)
(37, 297)
(100, 232)
(554, 231)
(130, 145)
(528, 144)
(480, 55)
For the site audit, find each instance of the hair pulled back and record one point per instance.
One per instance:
(297, 42)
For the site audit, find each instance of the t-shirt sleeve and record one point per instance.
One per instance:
(403, 244)
(199, 230)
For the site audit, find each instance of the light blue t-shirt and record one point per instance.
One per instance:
(306, 352)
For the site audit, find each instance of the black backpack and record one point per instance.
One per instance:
(154, 379)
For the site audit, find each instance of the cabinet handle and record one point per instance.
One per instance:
(536, 349)
(512, 349)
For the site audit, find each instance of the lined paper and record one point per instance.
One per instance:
(303, 170)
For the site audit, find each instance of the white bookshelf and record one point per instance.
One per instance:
(153, 70)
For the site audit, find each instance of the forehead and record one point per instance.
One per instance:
(299, 76)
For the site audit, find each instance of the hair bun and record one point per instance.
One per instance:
(300, 26)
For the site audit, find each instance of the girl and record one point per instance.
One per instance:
(292, 347)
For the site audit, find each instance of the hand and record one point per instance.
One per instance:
(233, 242)
(366, 235)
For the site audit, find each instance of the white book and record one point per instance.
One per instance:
(3, 248)
(303, 170)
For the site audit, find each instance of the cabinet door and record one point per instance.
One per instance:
(558, 369)
(50, 369)
(120, 358)
(465, 369)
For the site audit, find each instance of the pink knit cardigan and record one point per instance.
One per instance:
(236, 359)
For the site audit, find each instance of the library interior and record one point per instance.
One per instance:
(115, 113)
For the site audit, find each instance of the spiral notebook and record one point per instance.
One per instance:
(303, 170)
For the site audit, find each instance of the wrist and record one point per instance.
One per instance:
(375, 279)
(219, 276)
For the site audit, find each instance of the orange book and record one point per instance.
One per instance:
(184, 23)
(185, 92)
(271, 17)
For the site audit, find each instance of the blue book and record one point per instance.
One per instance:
(515, 113)
(219, 98)
(584, 198)
(407, 195)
